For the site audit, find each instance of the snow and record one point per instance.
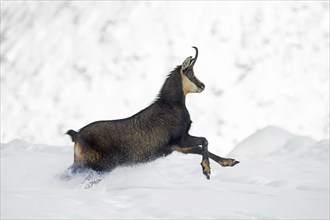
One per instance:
(265, 65)
(281, 176)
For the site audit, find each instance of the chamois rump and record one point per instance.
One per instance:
(154, 132)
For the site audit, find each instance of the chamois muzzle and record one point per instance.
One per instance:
(201, 87)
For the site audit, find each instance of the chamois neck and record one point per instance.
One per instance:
(171, 91)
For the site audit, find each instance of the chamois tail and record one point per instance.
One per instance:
(73, 134)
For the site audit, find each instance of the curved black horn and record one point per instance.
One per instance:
(195, 58)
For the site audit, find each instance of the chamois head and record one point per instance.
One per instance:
(190, 83)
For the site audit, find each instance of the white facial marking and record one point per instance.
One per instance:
(188, 86)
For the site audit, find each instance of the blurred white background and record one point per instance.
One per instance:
(66, 64)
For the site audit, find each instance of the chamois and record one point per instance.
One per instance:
(154, 132)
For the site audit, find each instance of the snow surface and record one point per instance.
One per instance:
(66, 64)
(281, 176)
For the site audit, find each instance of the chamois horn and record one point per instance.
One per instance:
(195, 58)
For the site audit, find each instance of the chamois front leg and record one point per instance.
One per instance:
(191, 141)
(225, 162)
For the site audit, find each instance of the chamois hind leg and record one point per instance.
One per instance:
(225, 162)
(70, 172)
(93, 178)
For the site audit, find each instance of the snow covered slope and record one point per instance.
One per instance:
(280, 176)
(67, 63)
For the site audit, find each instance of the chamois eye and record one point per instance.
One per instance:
(190, 73)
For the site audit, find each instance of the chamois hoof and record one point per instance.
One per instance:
(206, 168)
(228, 162)
(235, 162)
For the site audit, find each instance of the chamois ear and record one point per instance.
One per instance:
(186, 63)
(192, 62)
(189, 62)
